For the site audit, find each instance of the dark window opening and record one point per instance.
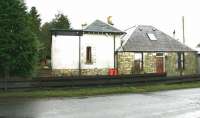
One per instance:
(181, 60)
(138, 62)
(88, 55)
(159, 54)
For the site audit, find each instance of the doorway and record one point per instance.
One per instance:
(159, 65)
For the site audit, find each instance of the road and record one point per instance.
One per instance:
(167, 104)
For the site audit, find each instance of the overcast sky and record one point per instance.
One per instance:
(165, 15)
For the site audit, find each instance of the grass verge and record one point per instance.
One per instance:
(92, 91)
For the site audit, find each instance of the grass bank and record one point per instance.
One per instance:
(92, 91)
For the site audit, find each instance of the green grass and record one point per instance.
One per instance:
(92, 91)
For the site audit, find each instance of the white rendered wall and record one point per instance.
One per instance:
(117, 42)
(102, 51)
(65, 52)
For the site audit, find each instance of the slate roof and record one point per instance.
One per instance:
(139, 41)
(99, 26)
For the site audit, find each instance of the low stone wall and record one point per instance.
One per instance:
(65, 72)
(94, 71)
(75, 72)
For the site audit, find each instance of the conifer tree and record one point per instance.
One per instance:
(18, 43)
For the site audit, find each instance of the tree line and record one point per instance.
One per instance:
(24, 41)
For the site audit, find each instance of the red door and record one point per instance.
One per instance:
(159, 65)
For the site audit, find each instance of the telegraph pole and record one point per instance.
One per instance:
(183, 23)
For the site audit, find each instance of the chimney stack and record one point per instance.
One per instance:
(109, 20)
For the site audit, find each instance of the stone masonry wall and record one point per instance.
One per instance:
(125, 63)
(75, 72)
(94, 71)
(171, 64)
(199, 64)
(65, 72)
(190, 64)
(149, 63)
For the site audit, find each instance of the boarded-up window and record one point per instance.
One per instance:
(88, 54)
(181, 60)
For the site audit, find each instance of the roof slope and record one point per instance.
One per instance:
(99, 26)
(139, 41)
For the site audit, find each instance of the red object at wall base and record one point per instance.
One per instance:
(112, 72)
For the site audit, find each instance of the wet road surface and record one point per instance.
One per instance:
(167, 104)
